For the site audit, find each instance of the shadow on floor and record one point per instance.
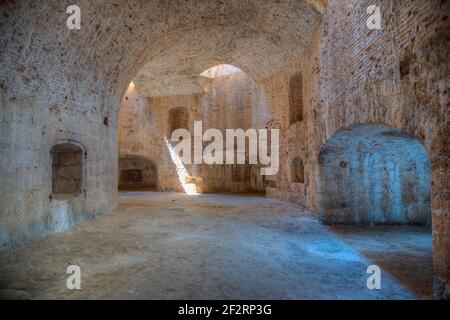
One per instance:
(405, 252)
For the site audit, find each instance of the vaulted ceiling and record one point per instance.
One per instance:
(162, 45)
(259, 37)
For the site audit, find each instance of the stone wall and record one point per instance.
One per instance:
(398, 76)
(51, 92)
(295, 136)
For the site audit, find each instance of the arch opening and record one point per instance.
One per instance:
(297, 171)
(137, 173)
(374, 174)
(178, 119)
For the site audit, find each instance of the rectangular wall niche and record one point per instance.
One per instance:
(67, 169)
(296, 98)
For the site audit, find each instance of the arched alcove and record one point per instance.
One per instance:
(374, 174)
(137, 173)
(67, 169)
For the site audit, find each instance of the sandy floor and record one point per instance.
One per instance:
(173, 246)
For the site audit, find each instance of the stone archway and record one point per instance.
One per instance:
(374, 174)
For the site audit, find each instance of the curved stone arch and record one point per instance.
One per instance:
(76, 143)
(387, 174)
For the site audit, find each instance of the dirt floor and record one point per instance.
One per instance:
(174, 246)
